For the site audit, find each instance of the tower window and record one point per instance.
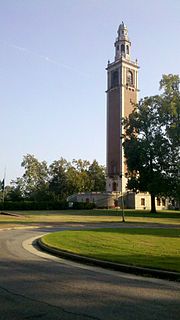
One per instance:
(114, 78)
(130, 78)
(127, 49)
(122, 48)
(142, 201)
(114, 186)
(117, 47)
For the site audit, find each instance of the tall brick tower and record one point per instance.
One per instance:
(122, 93)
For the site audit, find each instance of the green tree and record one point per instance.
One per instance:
(15, 191)
(97, 176)
(151, 150)
(170, 118)
(58, 183)
(78, 178)
(34, 182)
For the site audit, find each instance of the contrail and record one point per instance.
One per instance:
(16, 47)
(46, 59)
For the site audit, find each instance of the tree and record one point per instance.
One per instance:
(58, 183)
(78, 178)
(97, 176)
(34, 182)
(170, 118)
(151, 149)
(16, 190)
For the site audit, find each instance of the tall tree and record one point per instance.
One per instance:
(58, 184)
(150, 153)
(34, 181)
(78, 178)
(170, 118)
(97, 176)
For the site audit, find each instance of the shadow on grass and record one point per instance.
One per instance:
(169, 263)
(102, 212)
(159, 232)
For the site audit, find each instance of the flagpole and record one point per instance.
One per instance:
(3, 195)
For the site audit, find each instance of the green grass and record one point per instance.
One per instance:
(148, 247)
(89, 216)
(102, 212)
(157, 248)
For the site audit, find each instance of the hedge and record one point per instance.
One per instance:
(32, 205)
(83, 205)
(44, 205)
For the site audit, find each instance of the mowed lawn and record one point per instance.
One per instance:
(26, 218)
(148, 247)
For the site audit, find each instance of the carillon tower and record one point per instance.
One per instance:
(122, 94)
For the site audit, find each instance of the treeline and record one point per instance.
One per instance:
(51, 185)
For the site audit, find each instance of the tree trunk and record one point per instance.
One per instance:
(153, 205)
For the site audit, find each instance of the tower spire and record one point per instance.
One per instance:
(122, 43)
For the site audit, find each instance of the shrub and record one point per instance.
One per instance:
(33, 205)
(83, 205)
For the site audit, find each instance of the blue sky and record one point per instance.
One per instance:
(53, 55)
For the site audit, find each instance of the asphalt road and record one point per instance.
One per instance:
(35, 285)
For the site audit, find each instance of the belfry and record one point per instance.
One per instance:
(122, 94)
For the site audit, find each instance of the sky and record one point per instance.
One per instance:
(53, 56)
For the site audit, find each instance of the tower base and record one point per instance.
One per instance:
(116, 184)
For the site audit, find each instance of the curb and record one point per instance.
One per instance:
(146, 272)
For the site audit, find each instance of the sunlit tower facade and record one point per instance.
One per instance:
(122, 94)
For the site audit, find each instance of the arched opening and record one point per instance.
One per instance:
(116, 203)
(114, 186)
(127, 49)
(114, 78)
(122, 48)
(130, 78)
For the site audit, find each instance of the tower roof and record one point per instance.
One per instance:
(122, 43)
(122, 26)
(123, 32)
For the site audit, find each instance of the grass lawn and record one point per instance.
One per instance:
(88, 216)
(154, 248)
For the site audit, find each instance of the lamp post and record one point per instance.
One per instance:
(122, 200)
(122, 174)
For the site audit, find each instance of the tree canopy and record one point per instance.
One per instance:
(152, 142)
(56, 181)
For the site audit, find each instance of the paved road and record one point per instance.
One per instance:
(34, 285)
